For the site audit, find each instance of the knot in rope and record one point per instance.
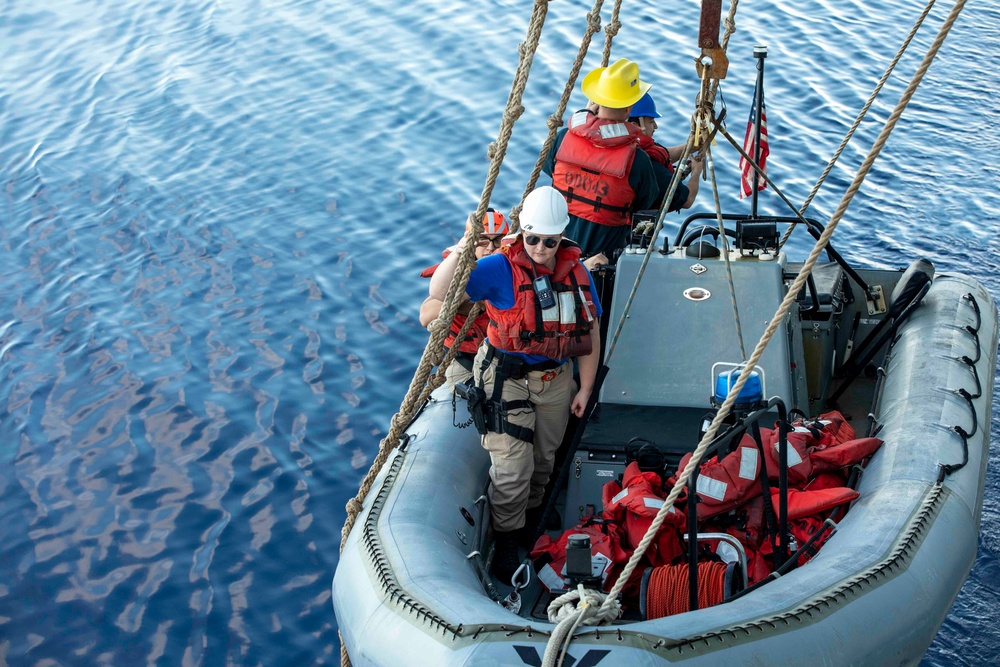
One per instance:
(571, 610)
(594, 22)
(515, 218)
(554, 122)
(512, 113)
(613, 28)
(491, 150)
(354, 506)
(585, 603)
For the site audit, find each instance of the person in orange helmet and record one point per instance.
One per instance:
(495, 227)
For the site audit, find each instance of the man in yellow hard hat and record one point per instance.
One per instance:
(597, 165)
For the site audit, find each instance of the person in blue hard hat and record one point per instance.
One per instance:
(643, 116)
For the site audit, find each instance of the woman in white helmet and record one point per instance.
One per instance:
(543, 311)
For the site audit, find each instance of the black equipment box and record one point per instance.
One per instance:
(589, 471)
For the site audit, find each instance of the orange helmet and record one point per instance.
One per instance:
(493, 223)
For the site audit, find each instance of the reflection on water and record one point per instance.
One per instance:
(213, 221)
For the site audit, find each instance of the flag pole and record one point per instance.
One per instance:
(759, 52)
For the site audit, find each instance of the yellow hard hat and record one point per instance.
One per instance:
(615, 87)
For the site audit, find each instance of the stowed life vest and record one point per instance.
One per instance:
(842, 454)
(606, 555)
(722, 485)
(560, 332)
(656, 152)
(477, 332)
(592, 167)
(634, 504)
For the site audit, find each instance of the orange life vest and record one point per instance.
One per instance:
(656, 152)
(843, 454)
(560, 332)
(635, 504)
(592, 167)
(722, 485)
(477, 332)
(606, 555)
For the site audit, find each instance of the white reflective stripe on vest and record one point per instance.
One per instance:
(564, 312)
(613, 130)
(793, 456)
(712, 488)
(619, 496)
(748, 462)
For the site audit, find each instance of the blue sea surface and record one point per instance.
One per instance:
(212, 218)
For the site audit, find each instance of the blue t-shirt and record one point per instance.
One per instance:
(493, 280)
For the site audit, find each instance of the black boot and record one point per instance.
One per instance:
(506, 558)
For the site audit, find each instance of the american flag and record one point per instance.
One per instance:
(747, 171)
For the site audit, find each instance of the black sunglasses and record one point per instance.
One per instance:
(494, 241)
(548, 243)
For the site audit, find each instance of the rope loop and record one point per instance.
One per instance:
(436, 325)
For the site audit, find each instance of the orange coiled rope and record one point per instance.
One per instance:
(667, 593)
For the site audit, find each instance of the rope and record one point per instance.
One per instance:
(571, 610)
(857, 121)
(725, 251)
(786, 302)
(419, 388)
(555, 120)
(667, 592)
(699, 126)
(610, 32)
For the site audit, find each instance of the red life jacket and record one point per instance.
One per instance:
(722, 485)
(799, 464)
(656, 152)
(560, 332)
(477, 332)
(606, 555)
(812, 503)
(635, 504)
(842, 454)
(828, 429)
(592, 167)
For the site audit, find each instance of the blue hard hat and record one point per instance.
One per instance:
(644, 108)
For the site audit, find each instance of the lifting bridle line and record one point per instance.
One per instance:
(555, 121)
(857, 121)
(725, 250)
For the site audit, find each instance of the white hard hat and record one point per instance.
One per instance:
(544, 212)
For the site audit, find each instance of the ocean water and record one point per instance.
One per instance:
(212, 217)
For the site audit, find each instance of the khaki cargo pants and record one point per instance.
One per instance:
(521, 470)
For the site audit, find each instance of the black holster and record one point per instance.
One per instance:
(476, 398)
